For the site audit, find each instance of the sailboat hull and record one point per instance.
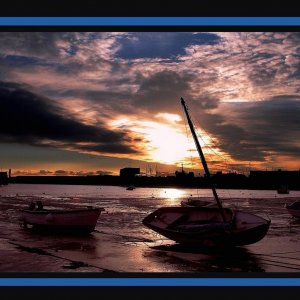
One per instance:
(204, 226)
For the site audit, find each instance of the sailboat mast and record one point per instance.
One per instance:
(199, 149)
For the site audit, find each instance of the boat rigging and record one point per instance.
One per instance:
(205, 225)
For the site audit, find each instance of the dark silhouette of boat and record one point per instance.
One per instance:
(208, 226)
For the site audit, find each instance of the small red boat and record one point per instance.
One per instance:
(61, 220)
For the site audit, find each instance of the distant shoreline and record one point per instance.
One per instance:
(221, 181)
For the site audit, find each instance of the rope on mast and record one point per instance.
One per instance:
(202, 158)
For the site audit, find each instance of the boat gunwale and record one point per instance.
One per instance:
(174, 234)
(61, 211)
(148, 219)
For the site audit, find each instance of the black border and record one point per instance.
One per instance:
(150, 293)
(162, 8)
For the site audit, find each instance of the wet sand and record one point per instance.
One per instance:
(121, 243)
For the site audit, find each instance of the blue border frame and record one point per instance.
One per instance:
(150, 281)
(149, 21)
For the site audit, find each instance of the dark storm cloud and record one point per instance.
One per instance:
(258, 129)
(157, 93)
(161, 91)
(161, 45)
(29, 118)
(207, 102)
(275, 124)
(230, 136)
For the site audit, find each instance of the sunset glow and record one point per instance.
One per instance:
(166, 144)
(88, 102)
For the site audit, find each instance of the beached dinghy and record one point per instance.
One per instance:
(294, 209)
(204, 225)
(61, 220)
(208, 226)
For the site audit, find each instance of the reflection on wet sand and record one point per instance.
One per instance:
(120, 243)
(236, 259)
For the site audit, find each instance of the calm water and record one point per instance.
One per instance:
(106, 192)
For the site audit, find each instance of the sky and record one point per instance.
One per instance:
(95, 102)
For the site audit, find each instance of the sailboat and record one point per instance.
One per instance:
(207, 226)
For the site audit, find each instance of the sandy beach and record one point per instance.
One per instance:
(121, 243)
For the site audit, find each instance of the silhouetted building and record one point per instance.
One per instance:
(3, 178)
(274, 179)
(129, 172)
(128, 176)
(183, 174)
(230, 180)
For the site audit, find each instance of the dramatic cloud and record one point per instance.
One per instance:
(162, 91)
(273, 124)
(36, 120)
(93, 92)
(258, 130)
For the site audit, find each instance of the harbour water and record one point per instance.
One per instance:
(121, 243)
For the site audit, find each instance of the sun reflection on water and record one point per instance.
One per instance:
(171, 194)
